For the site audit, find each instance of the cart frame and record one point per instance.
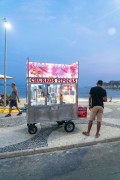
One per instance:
(61, 112)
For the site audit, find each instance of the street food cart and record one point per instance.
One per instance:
(52, 94)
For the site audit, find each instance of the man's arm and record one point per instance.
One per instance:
(16, 92)
(105, 99)
(90, 101)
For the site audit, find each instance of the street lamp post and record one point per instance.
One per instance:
(6, 26)
(5, 21)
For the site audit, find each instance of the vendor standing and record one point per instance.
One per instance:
(13, 100)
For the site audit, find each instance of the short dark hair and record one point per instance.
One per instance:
(13, 83)
(100, 82)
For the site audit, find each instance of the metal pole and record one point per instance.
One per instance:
(5, 68)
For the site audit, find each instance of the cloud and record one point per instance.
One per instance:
(80, 30)
(105, 15)
(36, 10)
(112, 31)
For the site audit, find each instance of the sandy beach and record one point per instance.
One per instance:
(22, 103)
(84, 102)
(81, 101)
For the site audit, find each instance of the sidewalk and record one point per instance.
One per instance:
(16, 141)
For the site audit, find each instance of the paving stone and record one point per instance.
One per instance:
(40, 139)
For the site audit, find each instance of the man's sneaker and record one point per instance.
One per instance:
(19, 113)
(8, 115)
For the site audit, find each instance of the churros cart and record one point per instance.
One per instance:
(52, 94)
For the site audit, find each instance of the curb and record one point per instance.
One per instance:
(28, 152)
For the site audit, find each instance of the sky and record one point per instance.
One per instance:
(62, 31)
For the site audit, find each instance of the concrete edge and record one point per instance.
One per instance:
(41, 150)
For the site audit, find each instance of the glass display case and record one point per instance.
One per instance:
(51, 94)
(37, 94)
(69, 93)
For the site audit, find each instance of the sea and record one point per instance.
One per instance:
(83, 92)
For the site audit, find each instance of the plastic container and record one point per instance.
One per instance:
(82, 111)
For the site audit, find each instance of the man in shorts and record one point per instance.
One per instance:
(13, 100)
(97, 97)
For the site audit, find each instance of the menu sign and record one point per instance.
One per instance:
(47, 70)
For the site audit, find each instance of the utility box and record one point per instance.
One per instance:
(82, 111)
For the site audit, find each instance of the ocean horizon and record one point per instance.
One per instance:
(83, 91)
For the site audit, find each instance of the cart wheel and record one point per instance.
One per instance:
(69, 126)
(60, 122)
(32, 129)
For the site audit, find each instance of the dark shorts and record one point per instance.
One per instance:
(13, 103)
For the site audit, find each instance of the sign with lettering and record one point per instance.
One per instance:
(47, 70)
(52, 80)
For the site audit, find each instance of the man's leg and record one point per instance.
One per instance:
(99, 120)
(15, 103)
(89, 126)
(87, 133)
(10, 109)
(18, 109)
(20, 112)
(92, 117)
(98, 129)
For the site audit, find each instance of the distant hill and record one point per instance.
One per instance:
(112, 85)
